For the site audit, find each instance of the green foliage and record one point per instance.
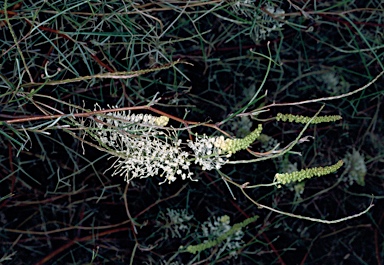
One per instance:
(355, 167)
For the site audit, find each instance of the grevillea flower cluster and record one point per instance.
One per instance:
(213, 152)
(141, 149)
(148, 156)
(208, 153)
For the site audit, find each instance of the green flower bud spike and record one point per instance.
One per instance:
(211, 243)
(232, 146)
(305, 120)
(298, 176)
